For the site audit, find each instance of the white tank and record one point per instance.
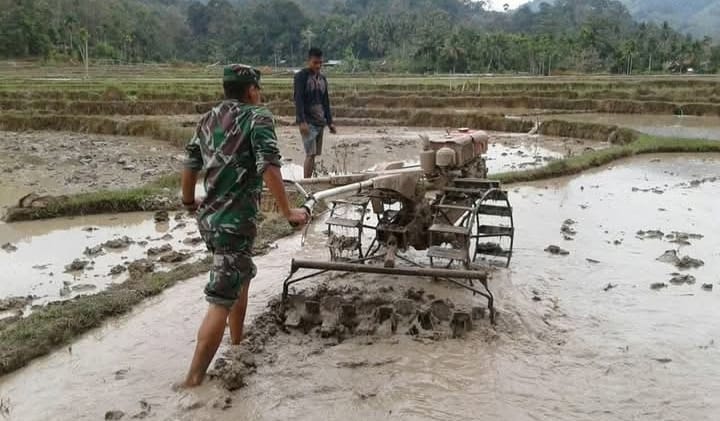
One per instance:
(427, 161)
(445, 157)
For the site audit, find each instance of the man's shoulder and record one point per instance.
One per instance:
(302, 73)
(260, 111)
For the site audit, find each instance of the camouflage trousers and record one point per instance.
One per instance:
(232, 268)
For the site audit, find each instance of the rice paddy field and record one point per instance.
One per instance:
(92, 155)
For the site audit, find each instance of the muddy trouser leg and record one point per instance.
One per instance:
(232, 269)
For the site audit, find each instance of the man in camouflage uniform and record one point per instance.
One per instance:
(235, 144)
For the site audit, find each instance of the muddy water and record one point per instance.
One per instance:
(689, 127)
(565, 348)
(356, 149)
(44, 248)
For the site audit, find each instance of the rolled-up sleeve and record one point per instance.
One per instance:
(193, 153)
(264, 141)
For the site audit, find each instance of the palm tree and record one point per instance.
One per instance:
(308, 36)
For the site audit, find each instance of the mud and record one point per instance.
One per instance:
(326, 316)
(66, 163)
(566, 356)
(356, 148)
(688, 127)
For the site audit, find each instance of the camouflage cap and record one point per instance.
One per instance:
(241, 73)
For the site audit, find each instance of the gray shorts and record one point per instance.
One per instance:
(314, 140)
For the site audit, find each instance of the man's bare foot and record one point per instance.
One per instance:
(184, 385)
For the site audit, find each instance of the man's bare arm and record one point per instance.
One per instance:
(189, 180)
(274, 182)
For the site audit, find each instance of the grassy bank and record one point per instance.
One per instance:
(150, 198)
(58, 323)
(644, 144)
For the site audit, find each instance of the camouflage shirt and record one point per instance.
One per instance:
(234, 143)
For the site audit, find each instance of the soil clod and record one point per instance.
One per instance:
(93, 251)
(114, 415)
(552, 249)
(140, 267)
(118, 243)
(679, 279)
(161, 217)
(118, 269)
(77, 265)
(8, 247)
(175, 257)
(154, 251)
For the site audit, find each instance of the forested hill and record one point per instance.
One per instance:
(375, 35)
(698, 17)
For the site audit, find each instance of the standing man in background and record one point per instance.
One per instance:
(312, 108)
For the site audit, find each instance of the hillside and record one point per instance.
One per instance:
(366, 35)
(697, 17)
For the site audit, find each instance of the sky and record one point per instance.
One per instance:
(498, 4)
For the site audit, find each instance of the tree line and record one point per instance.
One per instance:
(458, 36)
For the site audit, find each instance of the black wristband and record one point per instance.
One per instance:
(188, 203)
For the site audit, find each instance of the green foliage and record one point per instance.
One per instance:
(455, 36)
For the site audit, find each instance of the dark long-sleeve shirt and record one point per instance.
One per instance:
(312, 102)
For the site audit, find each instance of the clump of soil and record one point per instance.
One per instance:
(15, 303)
(155, 251)
(8, 247)
(567, 230)
(650, 234)
(118, 269)
(77, 265)
(175, 257)
(552, 249)
(161, 216)
(118, 243)
(685, 262)
(328, 315)
(93, 251)
(140, 267)
(679, 279)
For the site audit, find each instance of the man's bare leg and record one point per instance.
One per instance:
(236, 320)
(209, 337)
(309, 166)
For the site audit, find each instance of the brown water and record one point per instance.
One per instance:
(689, 127)
(44, 248)
(580, 353)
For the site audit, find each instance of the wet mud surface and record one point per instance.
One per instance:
(582, 336)
(688, 127)
(66, 163)
(356, 149)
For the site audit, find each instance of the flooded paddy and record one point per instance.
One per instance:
(586, 336)
(689, 127)
(105, 245)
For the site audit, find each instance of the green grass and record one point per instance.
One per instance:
(149, 198)
(58, 323)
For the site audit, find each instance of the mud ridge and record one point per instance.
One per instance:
(326, 316)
